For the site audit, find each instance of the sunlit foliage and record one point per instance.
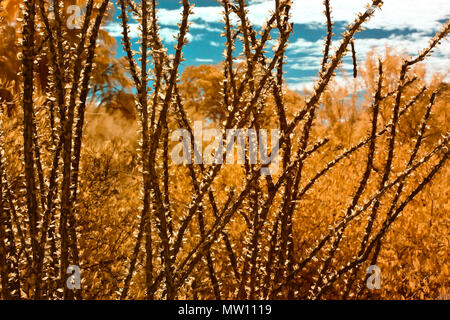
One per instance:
(86, 176)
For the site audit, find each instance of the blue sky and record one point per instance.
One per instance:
(406, 25)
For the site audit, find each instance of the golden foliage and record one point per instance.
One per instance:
(142, 227)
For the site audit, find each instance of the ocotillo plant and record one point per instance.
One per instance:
(193, 235)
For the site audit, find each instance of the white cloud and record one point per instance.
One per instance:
(168, 35)
(170, 17)
(292, 79)
(214, 44)
(301, 83)
(395, 14)
(308, 83)
(255, 1)
(204, 60)
(306, 63)
(205, 27)
(409, 43)
(115, 30)
(302, 45)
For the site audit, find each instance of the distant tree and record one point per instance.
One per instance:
(100, 192)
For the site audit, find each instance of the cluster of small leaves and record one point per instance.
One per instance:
(95, 190)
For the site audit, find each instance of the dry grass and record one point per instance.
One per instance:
(360, 183)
